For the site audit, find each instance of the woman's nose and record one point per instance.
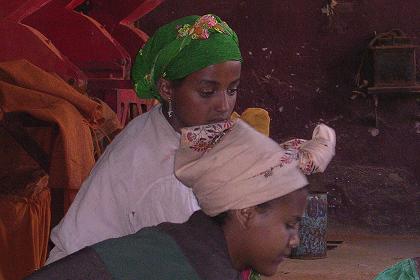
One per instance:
(223, 104)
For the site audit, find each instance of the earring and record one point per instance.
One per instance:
(170, 111)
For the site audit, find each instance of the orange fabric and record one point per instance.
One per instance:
(110, 127)
(258, 118)
(24, 225)
(25, 216)
(26, 88)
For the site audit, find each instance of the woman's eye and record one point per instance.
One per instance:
(232, 91)
(292, 225)
(210, 92)
(206, 93)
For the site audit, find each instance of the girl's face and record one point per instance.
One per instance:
(205, 96)
(272, 232)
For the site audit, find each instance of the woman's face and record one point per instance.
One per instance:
(272, 232)
(206, 96)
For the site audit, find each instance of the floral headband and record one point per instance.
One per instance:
(202, 28)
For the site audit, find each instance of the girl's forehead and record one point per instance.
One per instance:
(228, 71)
(292, 204)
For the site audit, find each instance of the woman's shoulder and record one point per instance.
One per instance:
(141, 123)
(145, 138)
(143, 131)
(148, 254)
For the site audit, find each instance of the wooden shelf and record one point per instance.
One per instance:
(394, 89)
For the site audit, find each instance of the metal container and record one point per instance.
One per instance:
(394, 65)
(313, 229)
(394, 59)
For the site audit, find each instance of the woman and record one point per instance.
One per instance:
(193, 66)
(252, 195)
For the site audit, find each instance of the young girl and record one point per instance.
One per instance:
(193, 66)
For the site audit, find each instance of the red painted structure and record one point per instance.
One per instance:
(118, 19)
(89, 43)
(23, 41)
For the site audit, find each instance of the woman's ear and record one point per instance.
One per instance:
(165, 89)
(245, 216)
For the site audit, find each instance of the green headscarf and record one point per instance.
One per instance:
(180, 48)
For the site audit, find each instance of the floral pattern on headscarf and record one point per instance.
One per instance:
(289, 156)
(306, 163)
(203, 138)
(297, 149)
(200, 29)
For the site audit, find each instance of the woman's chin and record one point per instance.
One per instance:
(272, 269)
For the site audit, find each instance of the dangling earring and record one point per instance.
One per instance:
(170, 111)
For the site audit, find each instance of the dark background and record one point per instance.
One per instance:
(300, 65)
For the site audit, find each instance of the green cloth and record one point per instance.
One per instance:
(148, 254)
(180, 48)
(194, 250)
(404, 270)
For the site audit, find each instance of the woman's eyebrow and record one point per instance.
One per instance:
(235, 82)
(216, 83)
(209, 82)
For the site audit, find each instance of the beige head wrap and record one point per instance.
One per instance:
(229, 165)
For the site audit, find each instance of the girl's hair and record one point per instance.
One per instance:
(177, 83)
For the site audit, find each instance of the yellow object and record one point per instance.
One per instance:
(258, 118)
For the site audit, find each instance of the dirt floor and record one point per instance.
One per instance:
(360, 256)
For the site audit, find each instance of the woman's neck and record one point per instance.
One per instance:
(173, 120)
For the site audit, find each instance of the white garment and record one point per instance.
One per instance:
(131, 186)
